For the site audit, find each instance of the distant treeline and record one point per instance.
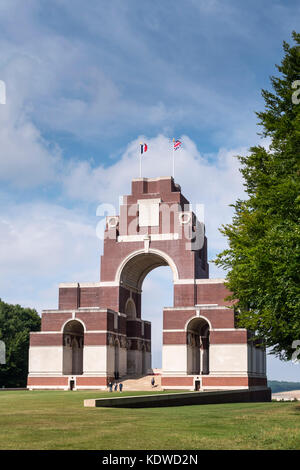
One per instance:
(277, 386)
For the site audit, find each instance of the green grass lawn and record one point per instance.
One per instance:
(58, 420)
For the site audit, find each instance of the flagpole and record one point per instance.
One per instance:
(173, 160)
(140, 160)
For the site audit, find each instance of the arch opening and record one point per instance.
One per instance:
(198, 346)
(137, 267)
(158, 293)
(145, 350)
(73, 343)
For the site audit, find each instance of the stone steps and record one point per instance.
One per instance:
(141, 383)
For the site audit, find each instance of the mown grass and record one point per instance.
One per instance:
(58, 420)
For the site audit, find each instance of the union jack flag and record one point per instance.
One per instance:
(177, 144)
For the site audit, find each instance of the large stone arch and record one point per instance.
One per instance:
(130, 275)
(134, 267)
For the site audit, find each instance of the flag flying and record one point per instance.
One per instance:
(177, 144)
(144, 148)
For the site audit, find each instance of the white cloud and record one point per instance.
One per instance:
(42, 245)
(26, 159)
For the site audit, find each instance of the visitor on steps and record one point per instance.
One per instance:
(120, 387)
(116, 387)
(110, 386)
(153, 382)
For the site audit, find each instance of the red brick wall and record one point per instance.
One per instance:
(89, 297)
(184, 295)
(51, 339)
(95, 339)
(109, 298)
(228, 337)
(81, 381)
(176, 337)
(177, 381)
(93, 320)
(225, 381)
(219, 318)
(54, 321)
(212, 293)
(68, 298)
(177, 319)
(51, 381)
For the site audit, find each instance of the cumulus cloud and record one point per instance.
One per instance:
(26, 160)
(42, 245)
(26, 157)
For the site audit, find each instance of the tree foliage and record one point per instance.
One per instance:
(263, 257)
(15, 324)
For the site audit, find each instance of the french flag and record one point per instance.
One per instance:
(144, 148)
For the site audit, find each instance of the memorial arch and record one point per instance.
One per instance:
(202, 345)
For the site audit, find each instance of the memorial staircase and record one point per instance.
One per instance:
(141, 383)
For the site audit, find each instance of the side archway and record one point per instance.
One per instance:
(73, 342)
(197, 331)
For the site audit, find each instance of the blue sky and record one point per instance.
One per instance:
(86, 81)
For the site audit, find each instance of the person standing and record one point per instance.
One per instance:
(153, 382)
(120, 386)
(110, 386)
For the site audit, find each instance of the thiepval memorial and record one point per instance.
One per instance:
(98, 331)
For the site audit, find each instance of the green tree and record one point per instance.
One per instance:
(263, 257)
(15, 324)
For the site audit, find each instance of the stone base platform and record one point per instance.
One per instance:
(182, 399)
